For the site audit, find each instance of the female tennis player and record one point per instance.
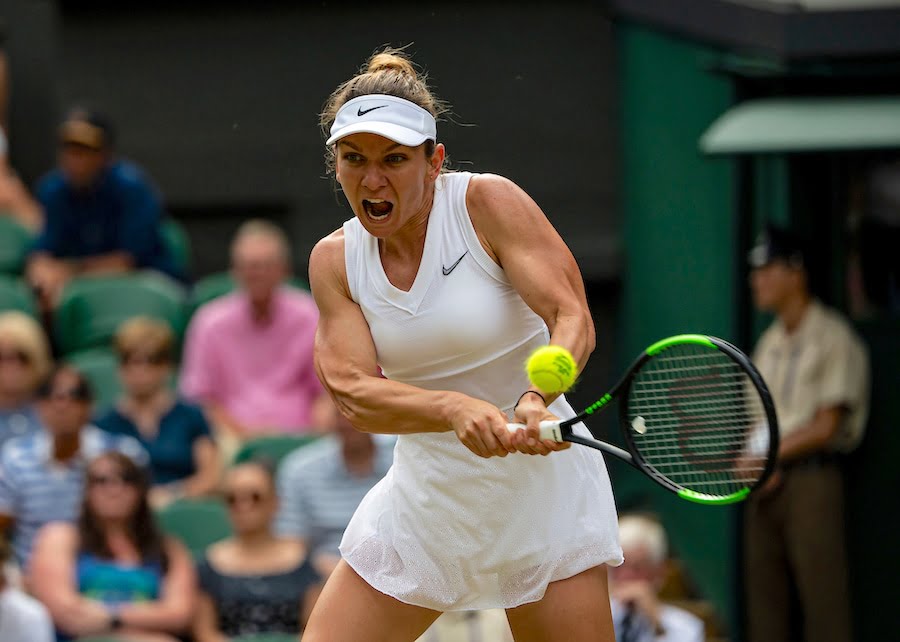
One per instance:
(447, 282)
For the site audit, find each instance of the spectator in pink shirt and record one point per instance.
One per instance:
(248, 356)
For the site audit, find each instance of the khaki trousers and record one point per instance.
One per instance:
(795, 549)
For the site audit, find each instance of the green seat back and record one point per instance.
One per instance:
(101, 367)
(218, 284)
(176, 240)
(14, 243)
(196, 522)
(272, 447)
(16, 295)
(92, 307)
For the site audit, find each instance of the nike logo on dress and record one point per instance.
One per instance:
(363, 112)
(448, 270)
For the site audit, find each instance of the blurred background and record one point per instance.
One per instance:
(659, 136)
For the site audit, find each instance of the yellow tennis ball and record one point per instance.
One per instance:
(552, 369)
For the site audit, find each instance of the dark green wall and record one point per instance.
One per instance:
(680, 273)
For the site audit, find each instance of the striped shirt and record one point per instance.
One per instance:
(36, 489)
(318, 495)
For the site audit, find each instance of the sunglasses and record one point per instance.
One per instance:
(72, 394)
(15, 356)
(136, 358)
(113, 480)
(233, 499)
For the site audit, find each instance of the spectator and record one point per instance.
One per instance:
(42, 474)
(113, 571)
(321, 485)
(102, 213)
(254, 582)
(22, 618)
(817, 371)
(15, 200)
(24, 362)
(184, 460)
(638, 613)
(249, 355)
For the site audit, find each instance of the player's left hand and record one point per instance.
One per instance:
(531, 411)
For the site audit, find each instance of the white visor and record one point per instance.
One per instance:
(395, 118)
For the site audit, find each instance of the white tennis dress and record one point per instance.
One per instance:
(446, 529)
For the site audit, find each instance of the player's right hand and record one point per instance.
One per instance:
(481, 427)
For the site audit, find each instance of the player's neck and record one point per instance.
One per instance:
(792, 312)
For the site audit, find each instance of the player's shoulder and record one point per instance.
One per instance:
(326, 263)
(328, 249)
(485, 189)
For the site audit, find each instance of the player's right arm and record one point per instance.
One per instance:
(346, 364)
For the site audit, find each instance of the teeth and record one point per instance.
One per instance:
(375, 200)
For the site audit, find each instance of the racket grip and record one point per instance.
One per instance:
(549, 430)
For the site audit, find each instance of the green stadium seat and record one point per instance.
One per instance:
(218, 284)
(16, 295)
(101, 367)
(14, 243)
(92, 307)
(196, 522)
(176, 240)
(272, 447)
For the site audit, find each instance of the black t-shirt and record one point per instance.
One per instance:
(252, 604)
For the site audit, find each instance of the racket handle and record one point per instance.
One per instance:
(549, 430)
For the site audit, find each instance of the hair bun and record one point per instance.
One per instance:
(390, 61)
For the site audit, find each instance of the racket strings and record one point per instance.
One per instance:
(703, 421)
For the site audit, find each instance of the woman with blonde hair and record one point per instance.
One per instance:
(184, 460)
(446, 282)
(24, 363)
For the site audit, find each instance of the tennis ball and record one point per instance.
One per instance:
(552, 369)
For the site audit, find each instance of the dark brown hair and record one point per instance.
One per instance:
(142, 529)
(389, 72)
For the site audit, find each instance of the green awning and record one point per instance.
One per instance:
(782, 125)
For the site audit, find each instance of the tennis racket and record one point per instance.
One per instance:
(696, 418)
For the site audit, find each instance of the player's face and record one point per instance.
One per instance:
(387, 184)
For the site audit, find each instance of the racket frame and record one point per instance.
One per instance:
(633, 456)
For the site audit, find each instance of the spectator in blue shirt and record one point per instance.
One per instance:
(42, 474)
(102, 214)
(184, 460)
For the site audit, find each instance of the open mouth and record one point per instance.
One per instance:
(377, 208)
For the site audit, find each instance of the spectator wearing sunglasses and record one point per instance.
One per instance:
(184, 460)
(42, 474)
(254, 582)
(24, 362)
(113, 572)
